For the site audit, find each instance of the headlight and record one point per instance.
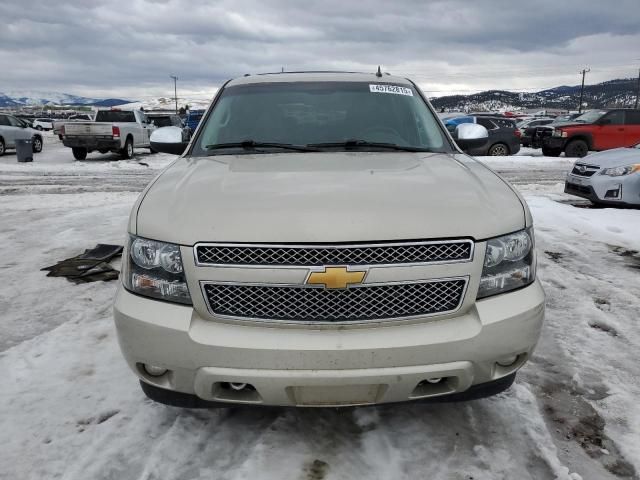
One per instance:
(509, 263)
(620, 171)
(154, 269)
(559, 133)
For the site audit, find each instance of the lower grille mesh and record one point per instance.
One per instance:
(308, 304)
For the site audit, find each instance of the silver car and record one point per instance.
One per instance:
(12, 129)
(611, 177)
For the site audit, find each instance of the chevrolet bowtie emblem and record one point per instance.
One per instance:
(335, 277)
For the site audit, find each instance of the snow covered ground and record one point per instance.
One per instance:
(71, 409)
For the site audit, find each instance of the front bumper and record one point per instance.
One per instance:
(328, 367)
(620, 191)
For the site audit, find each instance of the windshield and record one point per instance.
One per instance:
(590, 117)
(320, 113)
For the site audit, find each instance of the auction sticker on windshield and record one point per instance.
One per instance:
(395, 89)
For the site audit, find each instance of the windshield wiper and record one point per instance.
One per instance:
(251, 145)
(353, 143)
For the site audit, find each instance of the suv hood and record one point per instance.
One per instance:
(327, 197)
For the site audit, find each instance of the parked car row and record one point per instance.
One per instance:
(113, 130)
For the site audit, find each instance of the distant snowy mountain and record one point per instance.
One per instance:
(614, 93)
(23, 98)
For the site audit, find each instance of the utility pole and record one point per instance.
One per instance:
(638, 90)
(583, 72)
(175, 90)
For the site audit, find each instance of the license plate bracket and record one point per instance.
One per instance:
(335, 395)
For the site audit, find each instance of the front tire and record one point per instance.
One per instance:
(37, 144)
(1, 147)
(499, 150)
(127, 151)
(79, 153)
(576, 148)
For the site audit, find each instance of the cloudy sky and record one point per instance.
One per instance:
(128, 48)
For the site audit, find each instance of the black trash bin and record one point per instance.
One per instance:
(24, 150)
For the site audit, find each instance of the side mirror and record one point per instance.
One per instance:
(470, 135)
(168, 140)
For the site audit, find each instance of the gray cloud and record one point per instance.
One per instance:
(129, 47)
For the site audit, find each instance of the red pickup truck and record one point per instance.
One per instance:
(595, 130)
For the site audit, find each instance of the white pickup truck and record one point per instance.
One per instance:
(118, 131)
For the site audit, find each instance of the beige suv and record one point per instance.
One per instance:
(322, 241)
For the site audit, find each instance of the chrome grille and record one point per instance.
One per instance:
(584, 170)
(312, 304)
(312, 255)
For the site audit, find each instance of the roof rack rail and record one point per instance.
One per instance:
(308, 71)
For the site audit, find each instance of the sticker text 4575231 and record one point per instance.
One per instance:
(395, 89)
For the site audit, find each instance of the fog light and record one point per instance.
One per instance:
(614, 193)
(154, 370)
(507, 361)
